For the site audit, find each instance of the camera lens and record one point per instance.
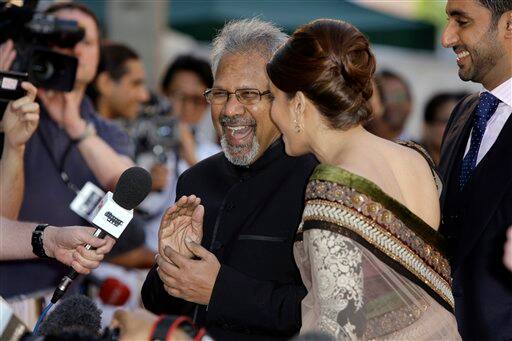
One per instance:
(42, 69)
(164, 131)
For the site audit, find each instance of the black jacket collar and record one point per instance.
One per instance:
(274, 152)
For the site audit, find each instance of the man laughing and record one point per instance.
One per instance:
(241, 283)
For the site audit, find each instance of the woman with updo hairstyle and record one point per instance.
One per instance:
(368, 247)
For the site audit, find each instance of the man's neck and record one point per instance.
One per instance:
(104, 109)
(498, 75)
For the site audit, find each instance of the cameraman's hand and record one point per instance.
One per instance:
(21, 118)
(64, 109)
(7, 55)
(159, 174)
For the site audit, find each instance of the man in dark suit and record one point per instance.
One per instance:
(242, 283)
(476, 164)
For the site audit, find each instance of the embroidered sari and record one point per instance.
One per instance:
(373, 269)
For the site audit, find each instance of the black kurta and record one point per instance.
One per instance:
(251, 217)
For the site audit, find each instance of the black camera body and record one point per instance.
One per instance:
(10, 85)
(34, 35)
(156, 130)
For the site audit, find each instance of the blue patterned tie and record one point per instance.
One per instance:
(485, 109)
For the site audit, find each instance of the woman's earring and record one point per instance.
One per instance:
(296, 126)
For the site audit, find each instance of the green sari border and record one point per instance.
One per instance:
(335, 174)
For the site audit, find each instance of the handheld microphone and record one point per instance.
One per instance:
(113, 213)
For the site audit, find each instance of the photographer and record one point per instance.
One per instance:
(18, 123)
(184, 83)
(71, 146)
(70, 110)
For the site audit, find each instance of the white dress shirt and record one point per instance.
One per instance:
(504, 93)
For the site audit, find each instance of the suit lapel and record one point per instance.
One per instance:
(453, 141)
(491, 179)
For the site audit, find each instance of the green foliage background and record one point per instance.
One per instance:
(432, 11)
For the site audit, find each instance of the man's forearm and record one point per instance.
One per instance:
(15, 239)
(105, 163)
(11, 181)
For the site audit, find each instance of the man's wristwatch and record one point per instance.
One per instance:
(37, 241)
(90, 130)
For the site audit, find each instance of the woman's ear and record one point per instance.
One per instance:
(299, 103)
(299, 109)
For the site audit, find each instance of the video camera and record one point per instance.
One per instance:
(156, 130)
(34, 35)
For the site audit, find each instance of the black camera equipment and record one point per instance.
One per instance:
(10, 85)
(34, 35)
(156, 130)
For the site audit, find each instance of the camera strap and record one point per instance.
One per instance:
(60, 165)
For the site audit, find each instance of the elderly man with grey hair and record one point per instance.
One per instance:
(242, 205)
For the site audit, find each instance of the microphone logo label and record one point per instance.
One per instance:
(113, 219)
(110, 217)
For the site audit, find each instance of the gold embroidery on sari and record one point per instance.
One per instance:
(343, 206)
(392, 321)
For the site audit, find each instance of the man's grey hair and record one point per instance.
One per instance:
(246, 35)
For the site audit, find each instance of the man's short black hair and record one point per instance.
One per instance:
(199, 66)
(436, 101)
(113, 58)
(497, 8)
(59, 6)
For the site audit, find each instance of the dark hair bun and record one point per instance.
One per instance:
(331, 63)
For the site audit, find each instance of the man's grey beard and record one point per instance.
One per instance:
(233, 152)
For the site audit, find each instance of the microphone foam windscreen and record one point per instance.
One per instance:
(74, 313)
(133, 187)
